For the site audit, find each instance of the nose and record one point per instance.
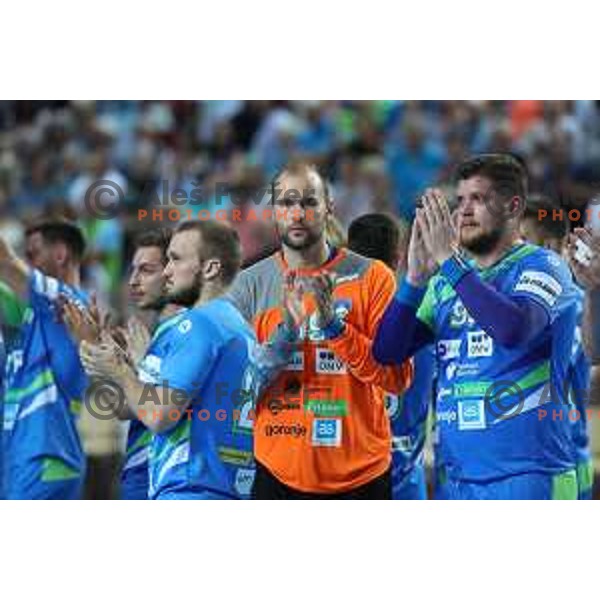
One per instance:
(297, 213)
(466, 207)
(133, 279)
(168, 270)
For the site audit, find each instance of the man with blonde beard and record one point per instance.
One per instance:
(321, 431)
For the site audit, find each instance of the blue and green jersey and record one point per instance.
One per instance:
(135, 475)
(44, 384)
(206, 353)
(503, 411)
(408, 420)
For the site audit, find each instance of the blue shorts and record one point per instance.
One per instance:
(411, 486)
(528, 486)
(585, 479)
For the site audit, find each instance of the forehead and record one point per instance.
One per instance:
(301, 181)
(473, 185)
(147, 254)
(185, 243)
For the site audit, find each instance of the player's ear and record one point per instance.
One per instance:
(330, 205)
(212, 268)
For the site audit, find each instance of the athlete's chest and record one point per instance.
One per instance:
(452, 316)
(460, 338)
(347, 309)
(152, 366)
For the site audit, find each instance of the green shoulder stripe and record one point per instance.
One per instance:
(13, 307)
(426, 312)
(54, 469)
(142, 441)
(44, 379)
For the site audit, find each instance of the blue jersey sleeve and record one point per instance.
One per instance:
(544, 278)
(192, 355)
(48, 290)
(43, 287)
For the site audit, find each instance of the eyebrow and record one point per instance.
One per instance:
(148, 263)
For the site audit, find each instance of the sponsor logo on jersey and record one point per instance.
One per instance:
(451, 370)
(480, 344)
(296, 430)
(454, 370)
(327, 408)
(448, 349)
(244, 478)
(402, 444)
(443, 393)
(539, 284)
(315, 333)
(459, 315)
(275, 406)
(149, 369)
(327, 363)
(446, 416)
(327, 432)
(471, 414)
(472, 389)
(235, 456)
(296, 362)
(185, 326)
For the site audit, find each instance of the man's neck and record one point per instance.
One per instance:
(209, 292)
(308, 258)
(168, 311)
(498, 252)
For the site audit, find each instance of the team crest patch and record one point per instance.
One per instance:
(185, 326)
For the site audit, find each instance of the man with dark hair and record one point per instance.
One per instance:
(147, 292)
(55, 248)
(202, 358)
(45, 381)
(376, 235)
(540, 228)
(218, 240)
(583, 251)
(146, 280)
(381, 237)
(321, 431)
(502, 313)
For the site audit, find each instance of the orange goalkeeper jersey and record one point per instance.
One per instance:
(322, 426)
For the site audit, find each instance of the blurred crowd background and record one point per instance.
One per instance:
(379, 156)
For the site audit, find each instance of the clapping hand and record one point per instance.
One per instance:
(436, 226)
(583, 252)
